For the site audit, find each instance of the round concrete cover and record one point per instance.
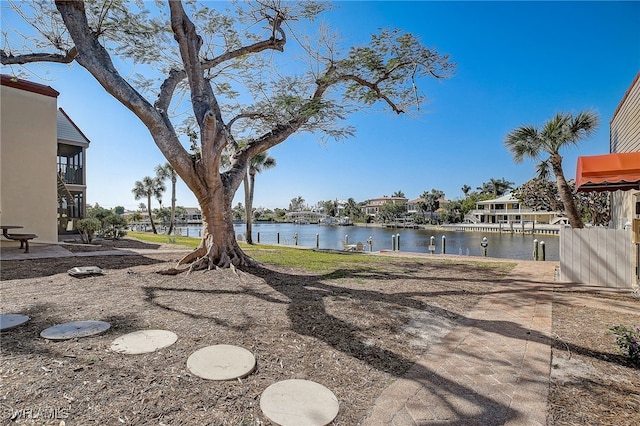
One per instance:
(221, 362)
(70, 330)
(143, 341)
(9, 321)
(299, 402)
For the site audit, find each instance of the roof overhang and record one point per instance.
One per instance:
(610, 172)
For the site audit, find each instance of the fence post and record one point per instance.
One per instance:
(317, 240)
(444, 244)
(542, 251)
(535, 249)
(398, 241)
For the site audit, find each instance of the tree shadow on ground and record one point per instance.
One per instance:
(25, 339)
(307, 312)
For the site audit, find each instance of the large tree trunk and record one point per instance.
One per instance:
(218, 247)
(564, 191)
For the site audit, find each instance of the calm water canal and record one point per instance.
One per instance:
(505, 245)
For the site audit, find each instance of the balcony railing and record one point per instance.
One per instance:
(508, 211)
(71, 175)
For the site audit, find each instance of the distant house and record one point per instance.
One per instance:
(413, 206)
(42, 158)
(193, 215)
(508, 209)
(373, 206)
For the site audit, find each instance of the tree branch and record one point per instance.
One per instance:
(95, 58)
(372, 86)
(67, 58)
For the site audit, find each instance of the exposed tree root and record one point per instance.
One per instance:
(210, 258)
(194, 255)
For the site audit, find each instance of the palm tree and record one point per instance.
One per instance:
(352, 210)
(562, 130)
(163, 172)
(465, 190)
(149, 187)
(297, 204)
(258, 164)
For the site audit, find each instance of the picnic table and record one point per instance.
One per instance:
(23, 238)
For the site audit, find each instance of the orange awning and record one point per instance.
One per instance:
(608, 172)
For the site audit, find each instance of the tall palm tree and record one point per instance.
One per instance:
(465, 190)
(258, 164)
(149, 187)
(562, 130)
(163, 172)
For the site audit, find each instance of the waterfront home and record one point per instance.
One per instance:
(43, 161)
(373, 206)
(509, 210)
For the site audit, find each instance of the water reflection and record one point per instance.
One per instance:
(500, 245)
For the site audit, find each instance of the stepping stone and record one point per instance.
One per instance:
(143, 341)
(9, 321)
(299, 402)
(221, 362)
(75, 329)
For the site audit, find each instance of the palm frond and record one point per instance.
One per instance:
(523, 142)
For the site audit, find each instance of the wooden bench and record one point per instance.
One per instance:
(23, 238)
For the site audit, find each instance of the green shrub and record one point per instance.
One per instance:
(114, 226)
(628, 341)
(88, 228)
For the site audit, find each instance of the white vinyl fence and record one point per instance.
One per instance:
(597, 256)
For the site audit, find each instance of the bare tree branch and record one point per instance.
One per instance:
(9, 59)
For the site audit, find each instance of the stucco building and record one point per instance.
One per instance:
(42, 161)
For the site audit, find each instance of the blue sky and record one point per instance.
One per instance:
(517, 63)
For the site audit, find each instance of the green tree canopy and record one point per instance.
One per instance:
(245, 78)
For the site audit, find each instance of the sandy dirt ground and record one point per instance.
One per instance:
(351, 330)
